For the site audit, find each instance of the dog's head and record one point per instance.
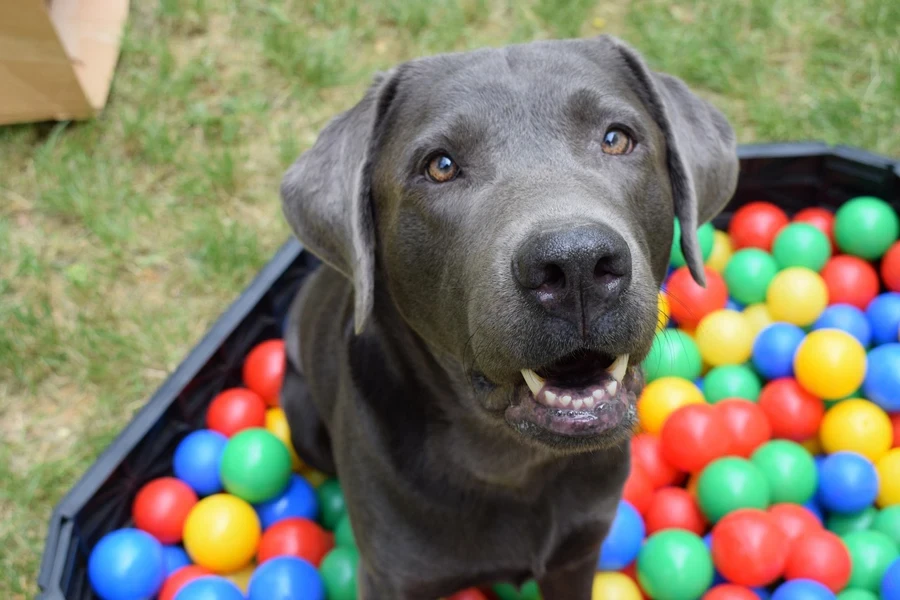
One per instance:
(517, 206)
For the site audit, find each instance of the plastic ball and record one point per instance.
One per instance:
(793, 412)
(774, 349)
(850, 280)
(338, 571)
(887, 521)
(802, 589)
(197, 458)
(180, 578)
(222, 533)
(241, 578)
(830, 363)
(857, 594)
(126, 564)
(210, 587)
(882, 381)
(234, 410)
(692, 437)
(794, 520)
(704, 236)
(745, 426)
(295, 537)
(801, 245)
(469, 594)
(298, 500)
(846, 317)
(820, 556)
(638, 490)
(622, 543)
(820, 218)
(175, 557)
(674, 565)
(859, 426)
(866, 227)
(756, 224)
(286, 578)
(844, 523)
(748, 275)
(263, 370)
(689, 301)
(674, 508)
(731, 483)
(730, 591)
(871, 553)
(721, 251)
(724, 338)
(890, 582)
(161, 507)
(662, 319)
(890, 268)
(749, 548)
(757, 315)
(797, 295)
(884, 317)
(888, 468)
(673, 354)
(332, 506)
(731, 381)
(662, 397)
(848, 482)
(256, 466)
(615, 586)
(343, 533)
(276, 422)
(789, 469)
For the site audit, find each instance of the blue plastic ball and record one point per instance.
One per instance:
(127, 564)
(622, 544)
(774, 348)
(175, 557)
(802, 589)
(815, 507)
(298, 500)
(699, 383)
(846, 317)
(882, 382)
(761, 593)
(884, 316)
(734, 305)
(286, 578)
(848, 482)
(890, 582)
(197, 459)
(210, 587)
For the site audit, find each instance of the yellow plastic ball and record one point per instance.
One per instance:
(859, 426)
(724, 337)
(242, 578)
(797, 295)
(813, 445)
(663, 317)
(888, 467)
(221, 533)
(276, 423)
(721, 252)
(614, 586)
(662, 397)
(830, 363)
(314, 477)
(758, 316)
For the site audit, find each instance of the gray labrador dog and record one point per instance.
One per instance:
(494, 227)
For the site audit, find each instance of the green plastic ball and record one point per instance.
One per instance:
(673, 354)
(842, 524)
(748, 274)
(255, 466)
(801, 245)
(866, 227)
(731, 381)
(331, 503)
(730, 483)
(887, 521)
(343, 533)
(507, 591)
(674, 564)
(871, 552)
(530, 591)
(857, 594)
(706, 237)
(789, 469)
(338, 571)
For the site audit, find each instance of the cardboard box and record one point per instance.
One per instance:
(57, 57)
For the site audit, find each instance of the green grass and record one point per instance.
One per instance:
(122, 238)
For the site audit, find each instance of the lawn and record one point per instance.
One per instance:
(123, 238)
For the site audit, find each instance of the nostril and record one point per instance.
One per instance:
(605, 273)
(553, 277)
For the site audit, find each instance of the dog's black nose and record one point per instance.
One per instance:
(574, 271)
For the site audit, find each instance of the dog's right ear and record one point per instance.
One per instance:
(325, 194)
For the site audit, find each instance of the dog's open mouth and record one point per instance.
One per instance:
(577, 382)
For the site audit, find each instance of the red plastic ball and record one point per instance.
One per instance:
(895, 425)
(264, 370)
(646, 451)
(749, 548)
(180, 578)
(820, 218)
(890, 268)
(692, 437)
(234, 410)
(729, 591)
(469, 594)
(674, 508)
(161, 507)
(631, 571)
(850, 280)
(689, 302)
(755, 225)
(792, 412)
(794, 520)
(298, 537)
(821, 556)
(746, 426)
(638, 489)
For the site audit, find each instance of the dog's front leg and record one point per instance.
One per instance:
(572, 582)
(372, 588)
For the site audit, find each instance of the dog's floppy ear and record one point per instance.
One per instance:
(702, 157)
(326, 193)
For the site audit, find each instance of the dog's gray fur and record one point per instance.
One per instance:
(411, 338)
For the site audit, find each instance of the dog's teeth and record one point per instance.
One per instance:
(565, 400)
(617, 369)
(598, 394)
(612, 386)
(576, 403)
(550, 398)
(589, 402)
(535, 383)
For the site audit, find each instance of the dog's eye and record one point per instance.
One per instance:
(441, 168)
(616, 141)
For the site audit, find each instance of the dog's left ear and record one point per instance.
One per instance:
(702, 156)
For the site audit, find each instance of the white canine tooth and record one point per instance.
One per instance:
(617, 368)
(576, 403)
(598, 394)
(566, 400)
(589, 402)
(612, 386)
(534, 382)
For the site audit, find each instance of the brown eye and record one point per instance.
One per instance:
(616, 141)
(441, 168)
